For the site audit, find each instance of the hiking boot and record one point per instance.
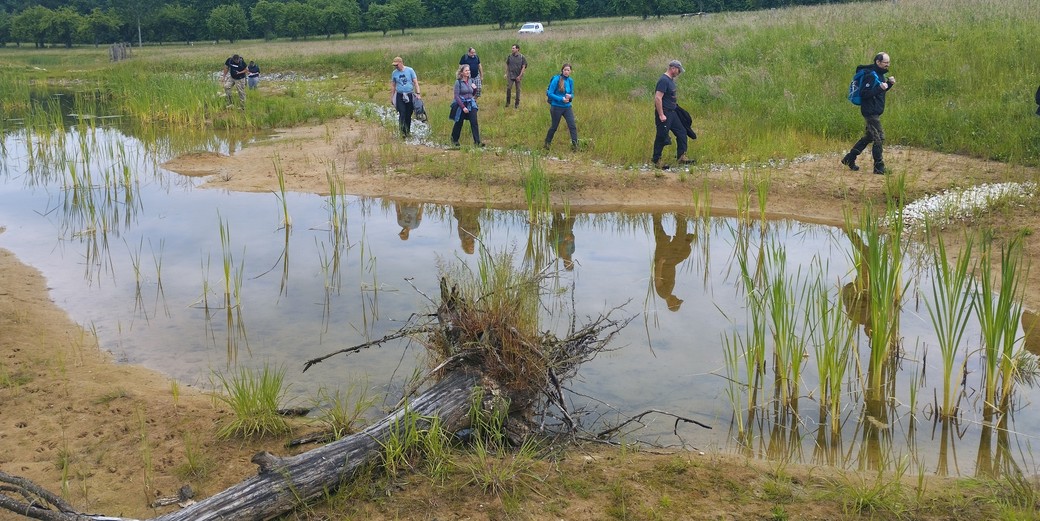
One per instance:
(882, 171)
(546, 146)
(686, 160)
(850, 161)
(661, 165)
(574, 146)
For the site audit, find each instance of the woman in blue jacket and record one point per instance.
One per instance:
(560, 94)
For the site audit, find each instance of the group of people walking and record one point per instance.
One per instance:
(468, 87)
(669, 116)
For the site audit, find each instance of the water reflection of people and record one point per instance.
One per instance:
(409, 215)
(468, 226)
(1031, 335)
(669, 251)
(561, 236)
(855, 295)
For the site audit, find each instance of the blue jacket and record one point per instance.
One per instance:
(555, 96)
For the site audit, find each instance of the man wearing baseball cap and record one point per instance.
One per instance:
(665, 117)
(403, 85)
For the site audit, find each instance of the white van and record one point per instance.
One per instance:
(531, 28)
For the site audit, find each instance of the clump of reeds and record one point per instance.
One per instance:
(999, 311)
(494, 312)
(953, 299)
(254, 397)
(878, 257)
(537, 191)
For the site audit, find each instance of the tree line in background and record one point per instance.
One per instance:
(65, 22)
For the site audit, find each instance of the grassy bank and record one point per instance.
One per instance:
(761, 85)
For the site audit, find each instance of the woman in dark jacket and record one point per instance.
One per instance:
(466, 106)
(560, 93)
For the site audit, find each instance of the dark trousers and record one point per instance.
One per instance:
(673, 125)
(509, 88)
(456, 130)
(404, 113)
(873, 134)
(568, 114)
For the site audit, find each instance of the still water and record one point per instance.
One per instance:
(137, 255)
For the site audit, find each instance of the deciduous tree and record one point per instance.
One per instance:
(381, 17)
(100, 26)
(267, 17)
(227, 22)
(410, 13)
(28, 25)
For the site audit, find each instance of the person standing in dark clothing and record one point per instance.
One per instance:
(254, 75)
(234, 77)
(476, 70)
(873, 89)
(665, 117)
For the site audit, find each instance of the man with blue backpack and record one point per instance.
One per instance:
(867, 90)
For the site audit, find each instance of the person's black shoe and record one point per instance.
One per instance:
(661, 165)
(850, 161)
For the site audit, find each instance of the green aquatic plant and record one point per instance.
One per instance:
(254, 397)
(953, 299)
(999, 311)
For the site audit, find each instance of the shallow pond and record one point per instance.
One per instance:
(137, 255)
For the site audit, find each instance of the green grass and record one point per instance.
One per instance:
(254, 397)
(761, 85)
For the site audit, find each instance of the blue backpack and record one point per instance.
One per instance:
(856, 85)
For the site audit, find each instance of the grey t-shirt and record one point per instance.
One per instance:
(515, 64)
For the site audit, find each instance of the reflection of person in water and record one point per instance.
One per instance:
(669, 251)
(409, 215)
(1031, 336)
(856, 294)
(561, 236)
(468, 227)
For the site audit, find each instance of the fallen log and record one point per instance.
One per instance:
(517, 365)
(282, 483)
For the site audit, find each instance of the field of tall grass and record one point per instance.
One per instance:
(760, 85)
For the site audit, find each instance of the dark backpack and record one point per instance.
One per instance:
(856, 85)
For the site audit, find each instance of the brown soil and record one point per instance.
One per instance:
(114, 437)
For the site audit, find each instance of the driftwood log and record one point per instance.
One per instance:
(286, 483)
(282, 483)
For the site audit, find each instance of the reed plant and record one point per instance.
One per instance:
(342, 411)
(999, 310)
(784, 295)
(280, 174)
(254, 397)
(833, 338)
(537, 191)
(951, 305)
(878, 258)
